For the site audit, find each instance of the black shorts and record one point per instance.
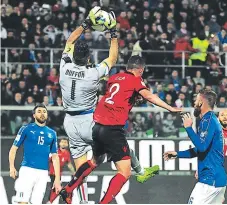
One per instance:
(110, 140)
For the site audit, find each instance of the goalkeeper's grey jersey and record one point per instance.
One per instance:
(79, 84)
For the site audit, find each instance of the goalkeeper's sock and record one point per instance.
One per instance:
(84, 170)
(114, 188)
(135, 164)
(82, 192)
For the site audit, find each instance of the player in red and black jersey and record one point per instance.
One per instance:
(108, 132)
(64, 158)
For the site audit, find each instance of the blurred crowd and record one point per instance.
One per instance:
(197, 27)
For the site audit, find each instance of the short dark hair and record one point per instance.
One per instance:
(135, 62)
(64, 138)
(38, 106)
(81, 53)
(210, 96)
(181, 93)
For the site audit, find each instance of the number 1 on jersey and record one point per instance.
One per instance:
(113, 92)
(73, 88)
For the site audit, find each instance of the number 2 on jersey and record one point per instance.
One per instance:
(113, 92)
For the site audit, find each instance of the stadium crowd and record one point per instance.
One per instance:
(193, 26)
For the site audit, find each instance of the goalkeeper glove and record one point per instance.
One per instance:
(90, 20)
(112, 25)
(87, 23)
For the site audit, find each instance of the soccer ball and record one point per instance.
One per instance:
(102, 17)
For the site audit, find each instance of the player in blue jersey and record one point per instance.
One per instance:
(39, 141)
(208, 142)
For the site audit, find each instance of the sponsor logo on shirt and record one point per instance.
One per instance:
(49, 135)
(203, 134)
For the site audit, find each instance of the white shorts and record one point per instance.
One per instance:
(206, 194)
(31, 185)
(79, 130)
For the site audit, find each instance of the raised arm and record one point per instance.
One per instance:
(75, 35)
(113, 51)
(203, 139)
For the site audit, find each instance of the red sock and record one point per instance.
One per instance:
(84, 170)
(114, 188)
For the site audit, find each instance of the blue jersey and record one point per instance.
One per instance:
(38, 142)
(209, 144)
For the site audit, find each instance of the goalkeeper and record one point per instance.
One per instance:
(211, 185)
(79, 82)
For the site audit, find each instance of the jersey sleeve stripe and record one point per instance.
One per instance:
(142, 89)
(106, 64)
(22, 130)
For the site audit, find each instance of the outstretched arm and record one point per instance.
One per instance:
(190, 153)
(75, 35)
(153, 98)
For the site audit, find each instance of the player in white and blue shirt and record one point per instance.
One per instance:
(209, 143)
(39, 141)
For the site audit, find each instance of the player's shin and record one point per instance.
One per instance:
(135, 164)
(114, 188)
(81, 173)
(84, 170)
